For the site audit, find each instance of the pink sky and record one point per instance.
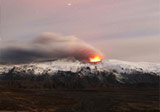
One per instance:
(95, 21)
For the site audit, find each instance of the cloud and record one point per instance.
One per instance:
(47, 46)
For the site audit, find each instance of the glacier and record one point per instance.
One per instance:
(107, 72)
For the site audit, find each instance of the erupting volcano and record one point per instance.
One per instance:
(95, 59)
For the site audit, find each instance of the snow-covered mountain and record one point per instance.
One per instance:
(108, 72)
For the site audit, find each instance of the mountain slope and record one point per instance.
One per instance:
(75, 73)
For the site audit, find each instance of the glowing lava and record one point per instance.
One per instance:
(95, 59)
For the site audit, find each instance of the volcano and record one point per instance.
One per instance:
(74, 73)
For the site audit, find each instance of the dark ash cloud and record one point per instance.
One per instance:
(47, 46)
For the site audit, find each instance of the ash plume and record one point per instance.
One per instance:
(47, 46)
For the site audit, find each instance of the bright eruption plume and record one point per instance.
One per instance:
(95, 59)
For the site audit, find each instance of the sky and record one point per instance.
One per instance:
(122, 29)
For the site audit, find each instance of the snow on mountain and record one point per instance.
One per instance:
(108, 71)
(124, 67)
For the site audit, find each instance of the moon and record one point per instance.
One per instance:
(69, 4)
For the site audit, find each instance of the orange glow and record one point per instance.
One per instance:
(95, 59)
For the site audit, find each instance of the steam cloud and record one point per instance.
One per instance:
(46, 47)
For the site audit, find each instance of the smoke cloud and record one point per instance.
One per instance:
(47, 46)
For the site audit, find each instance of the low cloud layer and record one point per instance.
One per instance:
(47, 46)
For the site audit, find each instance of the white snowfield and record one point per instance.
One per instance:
(123, 72)
(128, 67)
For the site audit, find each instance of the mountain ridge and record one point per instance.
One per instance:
(107, 72)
